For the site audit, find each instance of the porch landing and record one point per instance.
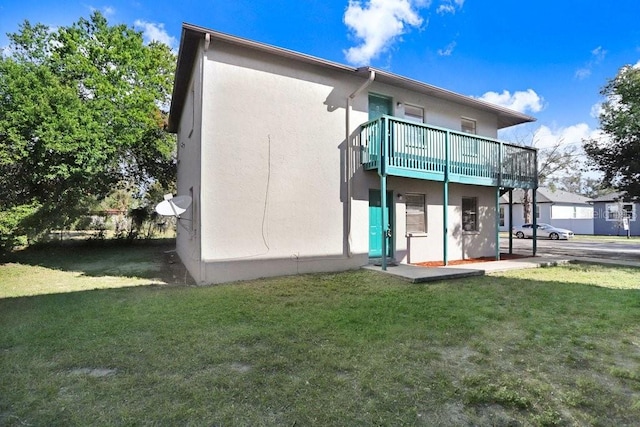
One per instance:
(417, 274)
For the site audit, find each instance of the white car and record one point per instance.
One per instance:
(544, 230)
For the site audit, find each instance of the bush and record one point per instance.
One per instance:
(14, 230)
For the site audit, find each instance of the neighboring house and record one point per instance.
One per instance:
(559, 208)
(611, 212)
(290, 159)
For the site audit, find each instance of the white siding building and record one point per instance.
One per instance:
(556, 207)
(287, 157)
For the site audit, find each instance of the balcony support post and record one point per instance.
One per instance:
(535, 210)
(535, 221)
(382, 171)
(497, 223)
(510, 220)
(445, 201)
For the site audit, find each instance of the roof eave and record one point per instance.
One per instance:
(193, 35)
(506, 116)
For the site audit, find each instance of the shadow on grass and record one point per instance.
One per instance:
(354, 348)
(144, 259)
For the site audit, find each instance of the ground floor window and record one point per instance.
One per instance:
(416, 218)
(617, 211)
(501, 216)
(470, 213)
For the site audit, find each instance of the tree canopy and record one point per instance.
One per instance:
(619, 155)
(82, 108)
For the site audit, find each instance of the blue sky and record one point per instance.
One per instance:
(546, 58)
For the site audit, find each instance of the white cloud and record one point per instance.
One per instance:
(155, 32)
(445, 8)
(521, 101)
(596, 110)
(377, 24)
(583, 73)
(107, 11)
(546, 137)
(597, 56)
(448, 50)
(449, 6)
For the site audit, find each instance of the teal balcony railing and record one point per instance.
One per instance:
(402, 148)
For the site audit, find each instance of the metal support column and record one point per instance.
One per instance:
(535, 221)
(445, 202)
(535, 205)
(385, 219)
(497, 223)
(510, 220)
(382, 171)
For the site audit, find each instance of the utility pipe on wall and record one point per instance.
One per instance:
(366, 84)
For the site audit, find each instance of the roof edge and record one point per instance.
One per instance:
(192, 35)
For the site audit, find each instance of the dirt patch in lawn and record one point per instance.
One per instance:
(173, 270)
(471, 260)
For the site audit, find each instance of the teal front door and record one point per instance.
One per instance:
(376, 230)
(379, 106)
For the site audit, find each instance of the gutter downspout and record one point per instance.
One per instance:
(201, 262)
(372, 76)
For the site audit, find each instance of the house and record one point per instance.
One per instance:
(612, 212)
(296, 164)
(559, 208)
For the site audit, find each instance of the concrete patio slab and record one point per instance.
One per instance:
(417, 274)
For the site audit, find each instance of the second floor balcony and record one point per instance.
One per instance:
(398, 147)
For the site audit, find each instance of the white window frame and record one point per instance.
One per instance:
(413, 203)
(470, 215)
(471, 125)
(414, 113)
(612, 208)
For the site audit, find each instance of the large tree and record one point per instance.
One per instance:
(618, 156)
(82, 108)
(558, 164)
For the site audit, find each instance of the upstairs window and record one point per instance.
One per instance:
(468, 125)
(413, 113)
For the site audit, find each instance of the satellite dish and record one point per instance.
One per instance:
(173, 206)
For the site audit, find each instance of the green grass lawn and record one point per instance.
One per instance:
(552, 346)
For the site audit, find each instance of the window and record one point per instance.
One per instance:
(501, 216)
(416, 218)
(571, 212)
(414, 114)
(470, 213)
(617, 211)
(468, 125)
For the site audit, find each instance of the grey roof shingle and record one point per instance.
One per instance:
(547, 195)
(611, 197)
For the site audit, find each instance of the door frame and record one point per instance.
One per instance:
(387, 99)
(390, 225)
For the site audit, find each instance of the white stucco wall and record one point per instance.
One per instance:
(189, 235)
(263, 151)
(429, 246)
(438, 112)
(274, 189)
